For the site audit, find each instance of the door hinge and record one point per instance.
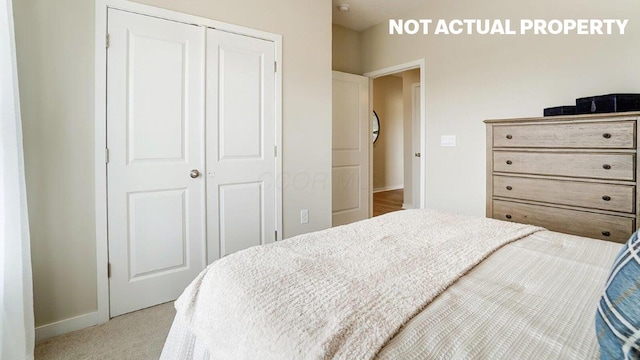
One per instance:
(108, 270)
(275, 66)
(106, 41)
(276, 235)
(275, 151)
(106, 155)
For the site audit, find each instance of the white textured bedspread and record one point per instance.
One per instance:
(339, 293)
(533, 299)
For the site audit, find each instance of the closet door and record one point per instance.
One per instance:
(241, 132)
(155, 136)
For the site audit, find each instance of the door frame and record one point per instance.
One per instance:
(100, 121)
(416, 64)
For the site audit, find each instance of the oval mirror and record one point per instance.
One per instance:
(376, 126)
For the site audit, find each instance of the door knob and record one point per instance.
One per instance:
(194, 173)
(417, 154)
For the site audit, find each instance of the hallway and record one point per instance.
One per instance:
(387, 201)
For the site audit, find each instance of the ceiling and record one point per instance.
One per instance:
(366, 13)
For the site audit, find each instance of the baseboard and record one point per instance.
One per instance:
(65, 326)
(407, 206)
(388, 188)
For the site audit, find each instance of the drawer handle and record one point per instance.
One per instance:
(509, 137)
(509, 162)
(606, 136)
(606, 167)
(509, 188)
(508, 216)
(606, 198)
(606, 233)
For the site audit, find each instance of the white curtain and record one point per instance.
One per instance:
(16, 290)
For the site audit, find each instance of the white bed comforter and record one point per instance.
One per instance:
(339, 293)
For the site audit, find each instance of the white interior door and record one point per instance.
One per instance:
(241, 148)
(155, 135)
(415, 141)
(350, 150)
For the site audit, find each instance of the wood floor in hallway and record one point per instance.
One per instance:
(387, 201)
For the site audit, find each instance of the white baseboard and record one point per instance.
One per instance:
(407, 206)
(65, 326)
(388, 188)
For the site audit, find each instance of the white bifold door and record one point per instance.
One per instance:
(241, 146)
(178, 94)
(351, 145)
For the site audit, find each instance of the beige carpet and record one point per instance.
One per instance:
(135, 336)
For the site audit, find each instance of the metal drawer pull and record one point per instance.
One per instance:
(606, 233)
(606, 136)
(606, 167)
(509, 162)
(508, 216)
(509, 188)
(606, 198)
(509, 137)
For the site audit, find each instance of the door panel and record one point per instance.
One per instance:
(351, 143)
(149, 139)
(241, 196)
(347, 132)
(157, 232)
(241, 201)
(154, 135)
(240, 122)
(345, 178)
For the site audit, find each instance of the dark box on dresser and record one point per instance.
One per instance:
(560, 110)
(611, 103)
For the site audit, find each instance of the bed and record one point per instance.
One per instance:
(417, 284)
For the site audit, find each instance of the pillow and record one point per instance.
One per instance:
(618, 315)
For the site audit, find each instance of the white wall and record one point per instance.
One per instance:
(55, 54)
(388, 151)
(54, 41)
(472, 78)
(346, 45)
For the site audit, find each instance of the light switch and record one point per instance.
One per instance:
(448, 140)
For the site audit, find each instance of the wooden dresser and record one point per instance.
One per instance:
(572, 174)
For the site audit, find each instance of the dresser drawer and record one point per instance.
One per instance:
(604, 135)
(587, 165)
(591, 195)
(598, 226)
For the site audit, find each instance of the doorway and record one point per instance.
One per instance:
(354, 134)
(396, 154)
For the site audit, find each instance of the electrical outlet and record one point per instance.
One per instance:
(304, 216)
